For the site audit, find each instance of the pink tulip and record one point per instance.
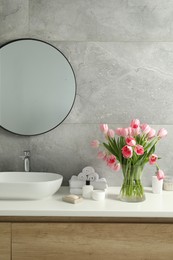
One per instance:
(145, 128)
(118, 131)
(111, 133)
(130, 131)
(136, 131)
(160, 175)
(104, 128)
(139, 149)
(95, 143)
(117, 167)
(111, 165)
(101, 155)
(152, 159)
(130, 141)
(127, 151)
(152, 133)
(124, 132)
(162, 133)
(111, 159)
(135, 123)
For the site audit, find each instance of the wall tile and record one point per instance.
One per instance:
(13, 19)
(11, 147)
(103, 20)
(120, 81)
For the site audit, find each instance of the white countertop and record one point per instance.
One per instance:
(155, 205)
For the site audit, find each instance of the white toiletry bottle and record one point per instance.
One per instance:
(87, 190)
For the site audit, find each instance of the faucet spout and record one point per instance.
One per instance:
(26, 160)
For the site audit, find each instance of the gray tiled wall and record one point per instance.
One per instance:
(122, 55)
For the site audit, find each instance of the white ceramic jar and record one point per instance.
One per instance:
(168, 183)
(98, 194)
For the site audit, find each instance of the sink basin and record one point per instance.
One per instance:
(29, 185)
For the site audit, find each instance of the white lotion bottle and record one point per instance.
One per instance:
(87, 190)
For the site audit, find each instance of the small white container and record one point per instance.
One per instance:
(98, 194)
(157, 185)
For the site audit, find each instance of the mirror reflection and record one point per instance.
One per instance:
(37, 87)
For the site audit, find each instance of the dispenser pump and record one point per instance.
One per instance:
(87, 181)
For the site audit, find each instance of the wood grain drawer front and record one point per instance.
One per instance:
(5, 241)
(91, 241)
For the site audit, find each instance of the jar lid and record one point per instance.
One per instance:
(168, 179)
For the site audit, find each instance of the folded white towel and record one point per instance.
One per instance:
(93, 176)
(88, 170)
(75, 191)
(74, 182)
(82, 176)
(101, 184)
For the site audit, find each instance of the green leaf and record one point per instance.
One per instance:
(113, 144)
(141, 159)
(110, 149)
(150, 144)
(151, 151)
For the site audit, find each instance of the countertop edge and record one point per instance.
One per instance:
(84, 219)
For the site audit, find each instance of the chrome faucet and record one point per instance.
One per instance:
(26, 160)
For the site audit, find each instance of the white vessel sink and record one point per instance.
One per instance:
(28, 185)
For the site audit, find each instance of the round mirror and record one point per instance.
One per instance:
(37, 87)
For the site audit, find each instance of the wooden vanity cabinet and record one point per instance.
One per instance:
(85, 240)
(91, 241)
(5, 241)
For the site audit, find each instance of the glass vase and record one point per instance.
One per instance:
(132, 189)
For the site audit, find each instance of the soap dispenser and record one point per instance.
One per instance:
(87, 189)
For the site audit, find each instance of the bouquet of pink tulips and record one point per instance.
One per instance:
(131, 150)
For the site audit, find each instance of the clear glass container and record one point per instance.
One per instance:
(132, 188)
(168, 183)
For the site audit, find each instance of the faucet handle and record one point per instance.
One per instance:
(26, 153)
